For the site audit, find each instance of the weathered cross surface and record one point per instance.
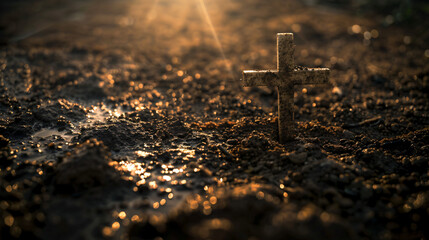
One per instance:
(284, 78)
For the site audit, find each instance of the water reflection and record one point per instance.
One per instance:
(163, 181)
(160, 185)
(100, 114)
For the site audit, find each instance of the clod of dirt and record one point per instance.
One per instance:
(377, 160)
(249, 211)
(5, 156)
(89, 166)
(256, 140)
(118, 135)
(178, 128)
(49, 112)
(59, 113)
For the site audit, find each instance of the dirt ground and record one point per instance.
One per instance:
(127, 120)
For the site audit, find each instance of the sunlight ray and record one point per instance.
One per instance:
(152, 13)
(212, 29)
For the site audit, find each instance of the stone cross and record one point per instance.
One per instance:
(284, 78)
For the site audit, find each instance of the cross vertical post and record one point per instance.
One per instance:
(285, 63)
(285, 106)
(285, 51)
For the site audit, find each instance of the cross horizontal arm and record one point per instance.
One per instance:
(260, 78)
(310, 76)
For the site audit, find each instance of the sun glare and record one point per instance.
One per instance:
(184, 12)
(214, 33)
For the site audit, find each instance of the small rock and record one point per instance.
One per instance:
(297, 158)
(337, 91)
(310, 146)
(348, 134)
(256, 140)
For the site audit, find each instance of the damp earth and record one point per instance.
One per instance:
(127, 120)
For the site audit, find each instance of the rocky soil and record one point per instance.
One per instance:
(127, 120)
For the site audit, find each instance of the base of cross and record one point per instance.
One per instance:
(284, 78)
